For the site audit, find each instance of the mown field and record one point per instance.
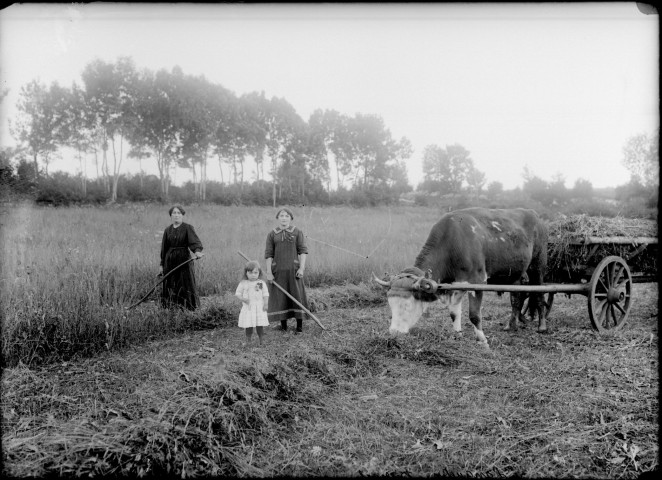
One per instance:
(177, 394)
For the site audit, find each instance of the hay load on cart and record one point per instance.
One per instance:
(577, 243)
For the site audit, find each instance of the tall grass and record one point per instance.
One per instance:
(67, 274)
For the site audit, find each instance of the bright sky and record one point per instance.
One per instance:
(559, 87)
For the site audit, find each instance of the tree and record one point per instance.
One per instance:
(336, 130)
(253, 114)
(229, 136)
(236, 132)
(397, 173)
(111, 92)
(321, 125)
(313, 163)
(373, 151)
(399, 179)
(7, 176)
(40, 121)
(494, 189)
(201, 119)
(156, 133)
(25, 174)
(369, 139)
(535, 187)
(449, 168)
(292, 171)
(77, 133)
(557, 190)
(284, 134)
(433, 166)
(475, 179)
(582, 189)
(641, 157)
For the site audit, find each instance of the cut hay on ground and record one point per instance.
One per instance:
(346, 296)
(350, 401)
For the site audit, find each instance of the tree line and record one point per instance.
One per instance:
(174, 119)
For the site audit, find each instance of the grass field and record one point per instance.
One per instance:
(68, 273)
(347, 401)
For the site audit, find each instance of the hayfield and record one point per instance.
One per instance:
(67, 274)
(348, 401)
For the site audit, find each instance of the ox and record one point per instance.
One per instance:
(473, 245)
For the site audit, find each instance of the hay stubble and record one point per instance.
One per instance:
(352, 401)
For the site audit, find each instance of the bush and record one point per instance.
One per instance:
(591, 207)
(56, 197)
(421, 200)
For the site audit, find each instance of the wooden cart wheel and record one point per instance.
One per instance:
(609, 294)
(548, 302)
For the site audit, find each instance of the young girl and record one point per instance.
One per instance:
(254, 294)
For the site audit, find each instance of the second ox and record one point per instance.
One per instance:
(476, 246)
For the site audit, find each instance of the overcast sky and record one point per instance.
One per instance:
(558, 87)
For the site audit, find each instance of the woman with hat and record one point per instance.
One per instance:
(285, 255)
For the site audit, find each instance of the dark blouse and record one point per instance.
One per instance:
(183, 237)
(290, 236)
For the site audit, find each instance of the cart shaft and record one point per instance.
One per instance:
(640, 278)
(613, 240)
(482, 287)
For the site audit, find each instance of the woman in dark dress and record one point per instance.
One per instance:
(286, 253)
(179, 240)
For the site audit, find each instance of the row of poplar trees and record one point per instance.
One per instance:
(175, 119)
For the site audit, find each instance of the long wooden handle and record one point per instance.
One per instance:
(290, 296)
(160, 282)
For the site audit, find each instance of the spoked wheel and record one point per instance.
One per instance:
(609, 295)
(548, 301)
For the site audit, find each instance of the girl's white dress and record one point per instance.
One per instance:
(253, 314)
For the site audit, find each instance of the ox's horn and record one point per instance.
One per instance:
(380, 281)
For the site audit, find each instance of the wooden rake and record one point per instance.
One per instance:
(161, 281)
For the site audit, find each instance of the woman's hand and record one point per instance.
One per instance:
(245, 300)
(270, 276)
(199, 254)
(300, 273)
(265, 307)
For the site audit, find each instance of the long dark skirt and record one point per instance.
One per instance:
(179, 289)
(281, 307)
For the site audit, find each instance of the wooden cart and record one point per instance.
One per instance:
(607, 282)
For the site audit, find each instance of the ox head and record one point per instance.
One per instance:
(409, 294)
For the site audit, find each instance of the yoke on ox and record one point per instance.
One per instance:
(475, 246)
